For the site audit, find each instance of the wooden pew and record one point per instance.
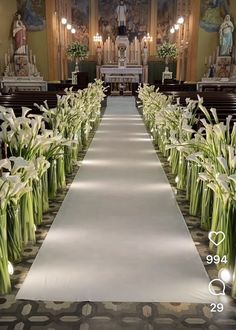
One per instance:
(224, 103)
(27, 99)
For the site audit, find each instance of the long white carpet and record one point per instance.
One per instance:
(119, 234)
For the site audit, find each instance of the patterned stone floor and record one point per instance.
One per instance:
(31, 315)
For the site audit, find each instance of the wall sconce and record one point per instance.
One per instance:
(176, 27)
(64, 21)
(180, 20)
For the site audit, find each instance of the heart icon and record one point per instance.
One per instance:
(213, 237)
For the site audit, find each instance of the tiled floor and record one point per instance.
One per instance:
(19, 315)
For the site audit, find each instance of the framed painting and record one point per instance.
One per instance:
(21, 63)
(136, 18)
(33, 14)
(80, 20)
(223, 66)
(212, 14)
(166, 17)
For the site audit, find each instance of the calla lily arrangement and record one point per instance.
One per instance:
(39, 159)
(202, 155)
(14, 185)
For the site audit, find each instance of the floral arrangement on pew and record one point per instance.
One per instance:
(202, 155)
(37, 163)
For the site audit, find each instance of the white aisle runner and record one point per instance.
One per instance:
(119, 234)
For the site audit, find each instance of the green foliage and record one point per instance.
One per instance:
(167, 50)
(77, 50)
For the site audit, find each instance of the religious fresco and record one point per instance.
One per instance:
(33, 14)
(80, 20)
(136, 22)
(166, 17)
(213, 13)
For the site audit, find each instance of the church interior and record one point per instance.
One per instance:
(117, 164)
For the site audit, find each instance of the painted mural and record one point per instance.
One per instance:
(136, 23)
(33, 14)
(80, 20)
(166, 17)
(213, 13)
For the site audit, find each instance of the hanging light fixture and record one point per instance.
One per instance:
(68, 26)
(73, 30)
(172, 30)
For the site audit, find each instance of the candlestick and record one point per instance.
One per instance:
(210, 58)
(6, 60)
(31, 56)
(12, 49)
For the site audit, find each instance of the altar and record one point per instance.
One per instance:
(122, 62)
(20, 69)
(12, 84)
(132, 73)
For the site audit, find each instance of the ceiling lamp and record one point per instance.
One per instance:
(73, 30)
(68, 26)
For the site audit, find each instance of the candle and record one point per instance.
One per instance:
(31, 56)
(6, 60)
(34, 59)
(210, 58)
(108, 48)
(12, 49)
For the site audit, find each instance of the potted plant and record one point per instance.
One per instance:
(78, 52)
(167, 52)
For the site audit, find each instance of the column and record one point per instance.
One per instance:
(193, 40)
(153, 25)
(54, 52)
(93, 26)
(58, 37)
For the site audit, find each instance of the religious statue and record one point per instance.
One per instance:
(19, 34)
(121, 12)
(226, 37)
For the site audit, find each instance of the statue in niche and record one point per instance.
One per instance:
(19, 34)
(226, 37)
(121, 12)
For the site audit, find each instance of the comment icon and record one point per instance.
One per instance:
(217, 287)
